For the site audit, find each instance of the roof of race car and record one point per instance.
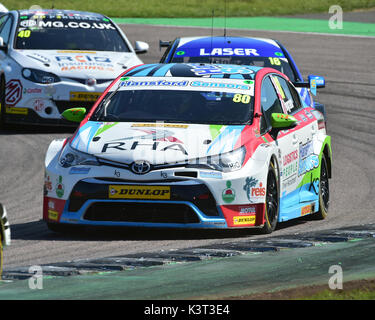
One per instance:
(225, 71)
(55, 13)
(198, 46)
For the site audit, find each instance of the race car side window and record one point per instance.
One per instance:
(5, 28)
(296, 99)
(288, 94)
(270, 103)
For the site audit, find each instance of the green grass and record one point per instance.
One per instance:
(194, 8)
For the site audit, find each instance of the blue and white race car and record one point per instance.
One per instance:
(191, 146)
(52, 60)
(260, 52)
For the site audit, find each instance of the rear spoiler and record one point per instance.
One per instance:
(164, 44)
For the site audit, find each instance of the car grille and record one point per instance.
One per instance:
(141, 212)
(198, 195)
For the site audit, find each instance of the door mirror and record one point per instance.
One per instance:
(74, 114)
(282, 121)
(316, 82)
(3, 47)
(141, 47)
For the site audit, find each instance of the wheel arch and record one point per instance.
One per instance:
(327, 155)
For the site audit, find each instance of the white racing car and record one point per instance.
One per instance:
(51, 60)
(193, 146)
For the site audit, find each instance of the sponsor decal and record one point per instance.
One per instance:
(13, 92)
(241, 220)
(228, 52)
(306, 210)
(202, 70)
(39, 23)
(53, 215)
(139, 192)
(76, 51)
(84, 96)
(120, 146)
(252, 190)
(247, 209)
(290, 168)
(82, 59)
(258, 191)
(210, 174)
(159, 83)
(165, 125)
(60, 187)
(20, 111)
(38, 105)
(314, 185)
(32, 90)
(84, 62)
(308, 160)
(52, 208)
(219, 85)
(85, 67)
(241, 215)
(228, 194)
(155, 135)
(290, 157)
(78, 170)
(48, 183)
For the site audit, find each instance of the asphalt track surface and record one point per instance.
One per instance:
(346, 63)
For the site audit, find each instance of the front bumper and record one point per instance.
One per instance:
(191, 204)
(44, 104)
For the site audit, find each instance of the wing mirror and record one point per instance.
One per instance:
(316, 82)
(281, 121)
(74, 114)
(3, 47)
(141, 47)
(313, 83)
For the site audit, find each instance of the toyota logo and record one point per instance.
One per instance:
(91, 82)
(141, 167)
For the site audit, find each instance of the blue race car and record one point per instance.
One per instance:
(259, 52)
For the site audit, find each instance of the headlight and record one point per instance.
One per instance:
(39, 76)
(70, 158)
(226, 162)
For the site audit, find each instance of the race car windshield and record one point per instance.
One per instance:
(68, 34)
(280, 64)
(176, 106)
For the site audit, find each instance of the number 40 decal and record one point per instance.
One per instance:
(24, 34)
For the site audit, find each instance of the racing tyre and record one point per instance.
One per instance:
(323, 190)
(1, 256)
(271, 211)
